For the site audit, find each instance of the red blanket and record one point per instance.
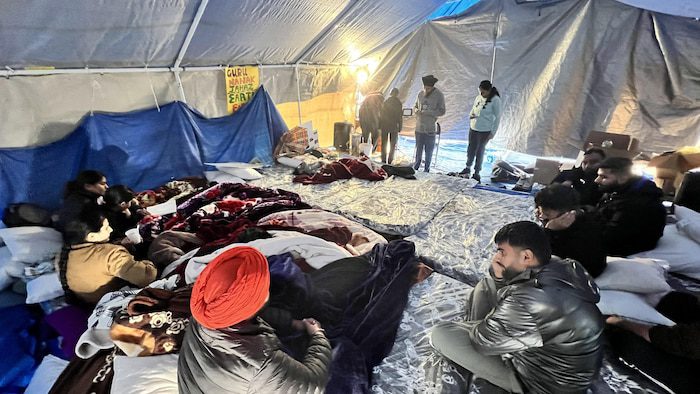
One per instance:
(344, 169)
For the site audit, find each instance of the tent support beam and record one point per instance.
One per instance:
(190, 33)
(313, 44)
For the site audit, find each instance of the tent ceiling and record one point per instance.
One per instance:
(139, 33)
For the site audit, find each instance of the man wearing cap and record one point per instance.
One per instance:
(228, 349)
(430, 105)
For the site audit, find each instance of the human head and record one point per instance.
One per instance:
(520, 245)
(89, 226)
(88, 180)
(429, 82)
(231, 289)
(591, 159)
(394, 92)
(555, 200)
(613, 173)
(485, 88)
(118, 197)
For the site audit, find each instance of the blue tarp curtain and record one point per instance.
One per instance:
(141, 149)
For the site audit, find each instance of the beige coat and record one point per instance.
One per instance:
(94, 270)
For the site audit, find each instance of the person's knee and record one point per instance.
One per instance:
(441, 336)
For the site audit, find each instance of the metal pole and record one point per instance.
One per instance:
(190, 33)
(296, 73)
(495, 43)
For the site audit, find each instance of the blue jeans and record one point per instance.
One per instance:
(426, 141)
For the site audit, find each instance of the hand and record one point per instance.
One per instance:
(614, 320)
(562, 222)
(298, 325)
(312, 326)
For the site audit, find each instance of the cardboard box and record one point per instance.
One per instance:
(545, 171)
(672, 166)
(620, 142)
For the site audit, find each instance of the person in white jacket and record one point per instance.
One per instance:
(483, 124)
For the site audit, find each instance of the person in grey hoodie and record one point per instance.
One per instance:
(430, 105)
(532, 324)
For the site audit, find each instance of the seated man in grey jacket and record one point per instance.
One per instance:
(227, 349)
(532, 324)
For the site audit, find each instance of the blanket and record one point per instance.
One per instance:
(346, 168)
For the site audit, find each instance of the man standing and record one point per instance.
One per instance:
(631, 211)
(430, 105)
(532, 324)
(369, 117)
(582, 179)
(390, 123)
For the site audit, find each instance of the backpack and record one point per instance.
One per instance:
(23, 214)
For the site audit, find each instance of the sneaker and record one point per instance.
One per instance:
(466, 171)
(477, 177)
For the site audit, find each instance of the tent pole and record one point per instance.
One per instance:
(179, 86)
(296, 73)
(495, 43)
(190, 33)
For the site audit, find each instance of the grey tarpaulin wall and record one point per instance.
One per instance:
(563, 68)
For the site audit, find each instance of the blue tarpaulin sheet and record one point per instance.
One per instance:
(141, 149)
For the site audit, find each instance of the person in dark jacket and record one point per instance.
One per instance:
(582, 178)
(227, 348)
(122, 210)
(369, 114)
(390, 123)
(631, 210)
(670, 355)
(532, 324)
(81, 193)
(573, 233)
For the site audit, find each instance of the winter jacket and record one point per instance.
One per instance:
(582, 241)
(583, 183)
(487, 114)
(391, 118)
(246, 358)
(73, 205)
(428, 109)
(370, 110)
(633, 218)
(547, 324)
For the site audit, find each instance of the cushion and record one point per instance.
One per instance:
(46, 375)
(681, 252)
(247, 174)
(222, 177)
(289, 161)
(643, 276)
(32, 244)
(153, 374)
(631, 306)
(688, 222)
(5, 259)
(44, 288)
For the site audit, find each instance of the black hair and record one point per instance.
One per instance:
(116, 195)
(558, 197)
(616, 165)
(526, 235)
(87, 177)
(597, 151)
(90, 220)
(394, 92)
(486, 85)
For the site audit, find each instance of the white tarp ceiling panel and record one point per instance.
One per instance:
(259, 31)
(370, 25)
(688, 8)
(93, 33)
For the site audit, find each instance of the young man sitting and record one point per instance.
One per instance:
(573, 233)
(532, 324)
(582, 179)
(631, 211)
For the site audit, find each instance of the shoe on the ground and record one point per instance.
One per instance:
(466, 171)
(477, 177)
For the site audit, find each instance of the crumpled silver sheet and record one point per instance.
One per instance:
(459, 238)
(394, 206)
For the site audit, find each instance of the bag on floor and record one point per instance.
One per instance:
(23, 214)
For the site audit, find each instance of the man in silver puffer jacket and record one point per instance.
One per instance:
(533, 324)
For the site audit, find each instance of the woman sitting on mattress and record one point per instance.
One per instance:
(228, 349)
(84, 191)
(90, 267)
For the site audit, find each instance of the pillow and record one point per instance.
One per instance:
(631, 306)
(247, 174)
(222, 177)
(681, 252)
(289, 161)
(634, 275)
(46, 375)
(44, 288)
(688, 222)
(152, 374)
(32, 244)
(5, 259)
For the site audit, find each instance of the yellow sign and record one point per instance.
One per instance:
(241, 84)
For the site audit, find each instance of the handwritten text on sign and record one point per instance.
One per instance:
(241, 84)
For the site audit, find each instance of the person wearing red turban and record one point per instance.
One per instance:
(228, 349)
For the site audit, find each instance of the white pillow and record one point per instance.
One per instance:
(44, 288)
(5, 259)
(32, 244)
(289, 161)
(46, 375)
(247, 174)
(631, 306)
(688, 222)
(222, 177)
(681, 252)
(643, 276)
(144, 375)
